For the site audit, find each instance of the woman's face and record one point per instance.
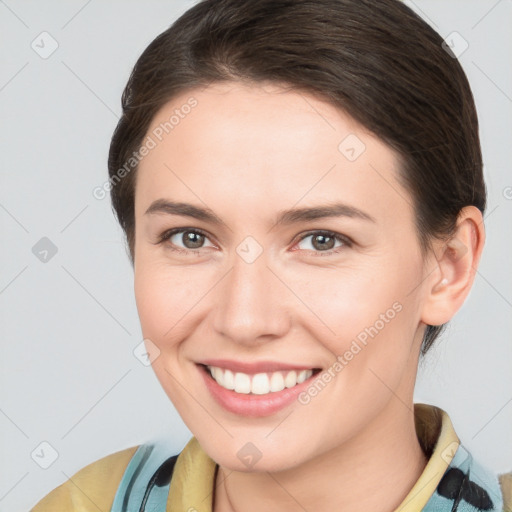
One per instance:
(297, 250)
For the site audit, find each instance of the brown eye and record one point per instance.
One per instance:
(192, 239)
(324, 242)
(183, 240)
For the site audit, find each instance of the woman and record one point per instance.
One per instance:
(300, 184)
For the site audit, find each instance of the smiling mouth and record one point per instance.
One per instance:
(258, 383)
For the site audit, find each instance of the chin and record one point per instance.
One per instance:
(252, 457)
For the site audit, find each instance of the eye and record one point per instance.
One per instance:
(324, 242)
(191, 238)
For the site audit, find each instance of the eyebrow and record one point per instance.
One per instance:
(284, 217)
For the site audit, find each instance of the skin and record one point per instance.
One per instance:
(247, 152)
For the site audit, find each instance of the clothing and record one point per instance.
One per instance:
(150, 475)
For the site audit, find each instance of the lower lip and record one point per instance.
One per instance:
(251, 404)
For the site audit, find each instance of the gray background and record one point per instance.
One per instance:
(69, 325)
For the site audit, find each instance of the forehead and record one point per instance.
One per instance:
(245, 144)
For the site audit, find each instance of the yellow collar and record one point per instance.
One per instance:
(193, 479)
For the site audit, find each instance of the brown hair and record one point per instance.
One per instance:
(377, 61)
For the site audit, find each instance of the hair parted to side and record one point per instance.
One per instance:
(376, 60)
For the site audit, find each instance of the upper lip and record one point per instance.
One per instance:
(253, 366)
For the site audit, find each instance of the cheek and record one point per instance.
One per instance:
(363, 308)
(172, 301)
(162, 297)
(164, 303)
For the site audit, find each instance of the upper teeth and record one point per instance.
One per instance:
(259, 383)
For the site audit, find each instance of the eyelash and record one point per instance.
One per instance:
(347, 242)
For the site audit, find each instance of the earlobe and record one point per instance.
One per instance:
(455, 268)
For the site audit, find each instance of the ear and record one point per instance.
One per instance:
(456, 262)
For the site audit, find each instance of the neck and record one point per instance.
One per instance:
(386, 451)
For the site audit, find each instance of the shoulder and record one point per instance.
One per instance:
(505, 480)
(91, 488)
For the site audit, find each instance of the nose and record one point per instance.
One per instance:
(251, 303)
